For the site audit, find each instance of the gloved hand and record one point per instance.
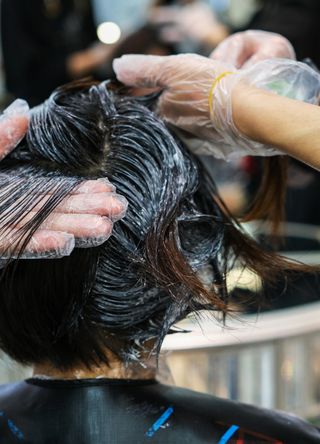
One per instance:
(84, 218)
(186, 79)
(13, 126)
(196, 22)
(197, 95)
(244, 49)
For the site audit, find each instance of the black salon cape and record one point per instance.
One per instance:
(37, 38)
(136, 412)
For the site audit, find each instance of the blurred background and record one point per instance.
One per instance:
(271, 356)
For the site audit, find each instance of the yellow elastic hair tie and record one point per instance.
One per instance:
(214, 84)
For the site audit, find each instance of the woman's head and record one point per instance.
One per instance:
(167, 258)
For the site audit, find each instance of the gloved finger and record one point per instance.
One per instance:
(255, 58)
(278, 48)
(51, 241)
(183, 72)
(94, 186)
(246, 48)
(13, 126)
(49, 244)
(43, 244)
(141, 70)
(111, 205)
(101, 204)
(232, 50)
(79, 225)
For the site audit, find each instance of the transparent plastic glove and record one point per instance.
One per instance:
(13, 125)
(287, 78)
(197, 96)
(244, 49)
(84, 219)
(196, 22)
(186, 80)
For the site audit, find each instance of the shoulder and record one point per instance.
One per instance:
(9, 388)
(10, 392)
(273, 423)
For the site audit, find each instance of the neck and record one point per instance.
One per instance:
(115, 370)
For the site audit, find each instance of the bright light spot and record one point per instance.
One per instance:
(109, 32)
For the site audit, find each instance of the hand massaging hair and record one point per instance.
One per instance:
(167, 258)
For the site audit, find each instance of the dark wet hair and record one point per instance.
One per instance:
(167, 258)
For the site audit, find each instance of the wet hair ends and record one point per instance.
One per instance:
(167, 258)
(268, 204)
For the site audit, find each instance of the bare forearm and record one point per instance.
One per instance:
(216, 36)
(289, 125)
(84, 62)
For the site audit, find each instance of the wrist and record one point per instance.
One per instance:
(239, 95)
(247, 102)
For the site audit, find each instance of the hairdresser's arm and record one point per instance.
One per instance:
(178, 24)
(290, 125)
(83, 62)
(198, 98)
